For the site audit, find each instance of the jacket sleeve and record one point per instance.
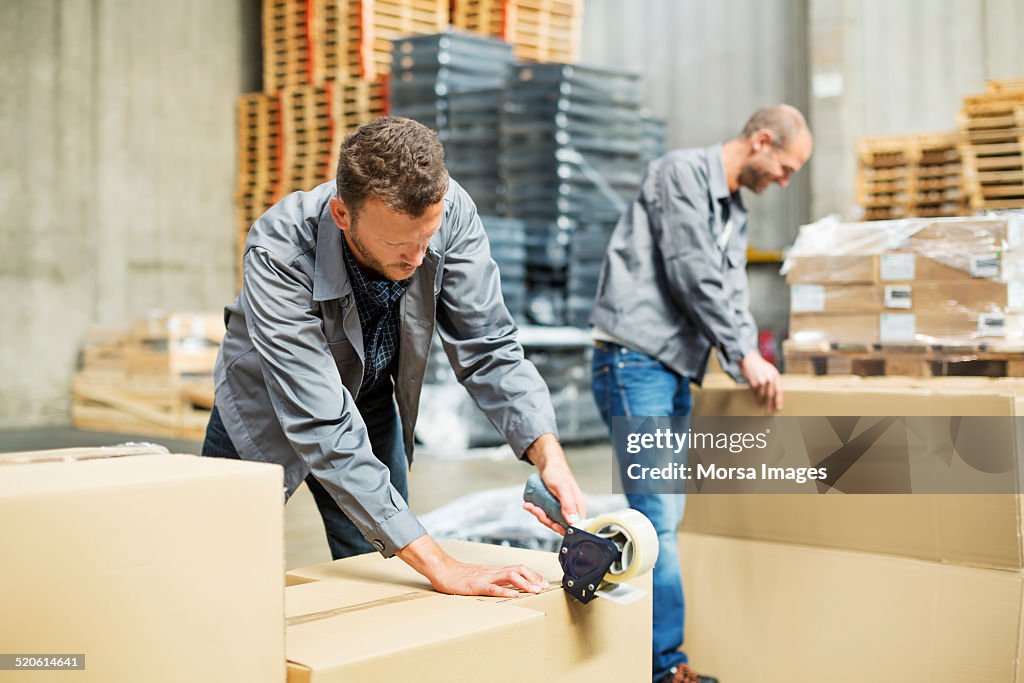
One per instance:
(696, 270)
(479, 336)
(317, 413)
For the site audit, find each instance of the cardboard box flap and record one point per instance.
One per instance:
(966, 529)
(87, 453)
(54, 477)
(401, 622)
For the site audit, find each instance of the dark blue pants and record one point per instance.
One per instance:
(626, 383)
(377, 406)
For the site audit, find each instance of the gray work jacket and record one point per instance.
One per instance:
(292, 360)
(673, 282)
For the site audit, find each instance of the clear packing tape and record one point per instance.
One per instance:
(945, 280)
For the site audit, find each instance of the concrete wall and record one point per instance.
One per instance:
(116, 174)
(880, 67)
(707, 67)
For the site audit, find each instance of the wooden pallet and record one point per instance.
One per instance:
(287, 44)
(979, 360)
(315, 120)
(992, 124)
(538, 30)
(353, 38)
(911, 175)
(259, 156)
(154, 377)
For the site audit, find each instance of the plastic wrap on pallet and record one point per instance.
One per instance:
(974, 246)
(907, 282)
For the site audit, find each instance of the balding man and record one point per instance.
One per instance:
(674, 285)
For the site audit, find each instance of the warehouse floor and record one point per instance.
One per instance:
(435, 479)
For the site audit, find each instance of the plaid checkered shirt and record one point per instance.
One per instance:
(377, 306)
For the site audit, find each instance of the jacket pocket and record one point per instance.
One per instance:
(343, 352)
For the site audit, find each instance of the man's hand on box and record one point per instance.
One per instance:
(764, 381)
(448, 575)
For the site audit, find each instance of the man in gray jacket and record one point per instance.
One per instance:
(673, 285)
(326, 348)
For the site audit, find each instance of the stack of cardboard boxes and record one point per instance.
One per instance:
(947, 280)
(147, 566)
(899, 587)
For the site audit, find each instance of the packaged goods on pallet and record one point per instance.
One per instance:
(540, 30)
(992, 125)
(914, 281)
(154, 378)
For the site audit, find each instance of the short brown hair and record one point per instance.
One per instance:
(396, 160)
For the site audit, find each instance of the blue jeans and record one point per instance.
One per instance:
(377, 406)
(627, 383)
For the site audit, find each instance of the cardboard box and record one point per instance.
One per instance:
(839, 268)
(894, 266)
(975, 530)
(346, 630)
(598, 641)
(979, 295)
(156, 567)
(763, 612)
(897, 327)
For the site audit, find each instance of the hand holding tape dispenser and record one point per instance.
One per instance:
(598, 555)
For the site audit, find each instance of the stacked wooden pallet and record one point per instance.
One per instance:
(901, 176)
(325, 68)
(885, 175)
(155, 378)
(993, 128)
(259, 158)
(938, 179)
(911, 360)
(314, 121)
(352, 38)
(538, 30)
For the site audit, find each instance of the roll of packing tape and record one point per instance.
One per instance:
(636, 539)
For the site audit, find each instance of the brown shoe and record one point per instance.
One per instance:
(681, 673)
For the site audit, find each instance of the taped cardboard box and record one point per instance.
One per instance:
(579, 643)
(156, 567)
(344, 630)
(762, 612)
(966, 529)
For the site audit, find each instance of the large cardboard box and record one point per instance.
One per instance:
(595, 642)
(347, 630)
(157, 567)
(761, 612)
(969, 529)
(893, 266)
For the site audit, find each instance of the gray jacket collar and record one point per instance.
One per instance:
(716, 177)
(330, 277)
